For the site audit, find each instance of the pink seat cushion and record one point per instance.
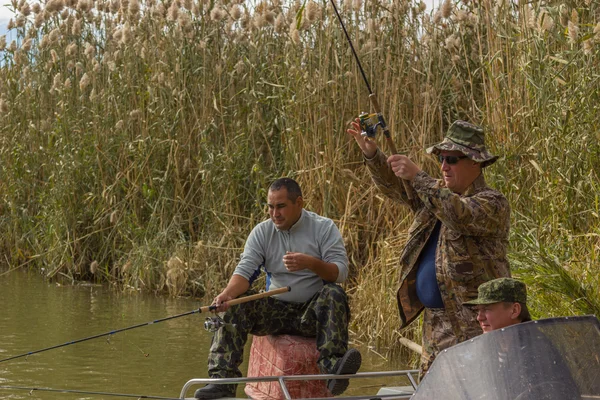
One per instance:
(284, 355)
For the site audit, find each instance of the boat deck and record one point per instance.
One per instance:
(391, 392)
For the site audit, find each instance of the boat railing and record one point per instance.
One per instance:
(282, 379)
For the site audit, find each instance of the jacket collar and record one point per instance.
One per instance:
(297, 225)
(476, 186)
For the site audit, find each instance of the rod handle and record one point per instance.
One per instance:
(390, 143)
(375, 103)
(252, 297)
(410, 345)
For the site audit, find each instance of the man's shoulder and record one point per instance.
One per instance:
(263, 227)
(487, 189)
(318, 219)
(480, 188)
(490, 194)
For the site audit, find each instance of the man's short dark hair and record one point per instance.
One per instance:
(525, 316)
(291, 185)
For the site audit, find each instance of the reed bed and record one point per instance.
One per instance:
(138, 138)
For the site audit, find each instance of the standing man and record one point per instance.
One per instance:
(458, 239)
(305, 251)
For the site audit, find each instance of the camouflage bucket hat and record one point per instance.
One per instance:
(469, 140)
(500, 290)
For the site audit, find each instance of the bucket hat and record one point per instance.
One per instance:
(467, 138)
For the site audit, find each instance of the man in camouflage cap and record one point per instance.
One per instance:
(501, 302)
(528, 360)
(458, 239)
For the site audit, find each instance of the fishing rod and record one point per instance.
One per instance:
(37, 389)
(204, 309)
(367, 123)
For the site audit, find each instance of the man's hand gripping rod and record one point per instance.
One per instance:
(246, 299)
(371, 129)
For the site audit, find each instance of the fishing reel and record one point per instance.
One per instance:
(212, 324)
(369, 124)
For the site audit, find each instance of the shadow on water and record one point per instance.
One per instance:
(154, 360)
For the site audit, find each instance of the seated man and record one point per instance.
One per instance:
(537, 370)
(501, 302)
(305, 251)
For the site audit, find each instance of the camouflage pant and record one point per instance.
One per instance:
(325, 316)
(439, 334)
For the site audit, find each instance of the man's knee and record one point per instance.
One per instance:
(333, 297)
(246, 312)
(334, 292)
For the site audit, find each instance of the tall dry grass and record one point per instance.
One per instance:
(138, 138)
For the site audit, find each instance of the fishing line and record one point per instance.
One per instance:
(136, 396)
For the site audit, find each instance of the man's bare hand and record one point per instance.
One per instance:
(298, 261)
(403, 167)
(368, 147)
(221, 302)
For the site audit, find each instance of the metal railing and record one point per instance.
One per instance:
(282, 379)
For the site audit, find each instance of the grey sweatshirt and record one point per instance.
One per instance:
(312, 234)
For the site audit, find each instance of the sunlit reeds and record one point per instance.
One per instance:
(139, 137)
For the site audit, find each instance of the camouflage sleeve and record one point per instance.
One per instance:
(486, 213)
(387, 182)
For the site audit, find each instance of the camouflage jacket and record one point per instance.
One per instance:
(472, 244)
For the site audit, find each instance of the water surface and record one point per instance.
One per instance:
(154, 360)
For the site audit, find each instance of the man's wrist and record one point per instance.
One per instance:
(312, 263)
(413, 176)
(367, 158)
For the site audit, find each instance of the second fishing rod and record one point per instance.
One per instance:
(369, 126)
(211, 324)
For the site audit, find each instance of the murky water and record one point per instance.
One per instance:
(153, 360)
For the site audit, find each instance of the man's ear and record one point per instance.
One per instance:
(516, 311)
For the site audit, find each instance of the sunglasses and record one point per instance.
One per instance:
(450, 160)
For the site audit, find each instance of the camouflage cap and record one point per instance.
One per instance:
(500, 290)
(469, 140)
